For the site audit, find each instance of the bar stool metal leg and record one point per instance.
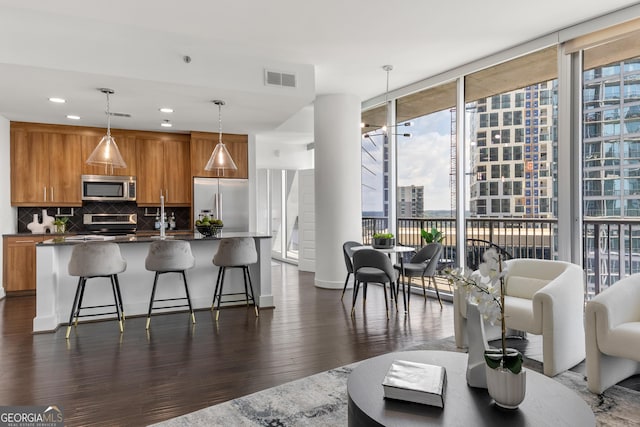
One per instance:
(73, 307)
(221, 275)
(215, 292)
(116, 303)
(186, 289)
(255, 303)
(82, 288)
(153, 297)
(119, 295)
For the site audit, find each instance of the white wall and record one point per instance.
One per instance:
(307, 221)
(8, 219)
(282, 155)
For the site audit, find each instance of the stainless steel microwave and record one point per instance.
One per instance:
(108, 188)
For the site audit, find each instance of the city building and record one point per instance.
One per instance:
(410, 201)
(611, 100)
(512, 153)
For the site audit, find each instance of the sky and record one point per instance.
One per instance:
(425, 158)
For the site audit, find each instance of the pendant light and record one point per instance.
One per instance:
(220, 159)
(107, 153)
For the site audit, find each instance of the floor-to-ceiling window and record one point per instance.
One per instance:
(511, 144)
(278, 201)
(375, 171)
(426, 148)
(611, 161)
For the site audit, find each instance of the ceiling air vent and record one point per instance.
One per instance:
(276, 78)
(120, 115)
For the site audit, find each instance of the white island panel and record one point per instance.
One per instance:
(55, 288)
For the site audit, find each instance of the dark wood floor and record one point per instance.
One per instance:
(101, 377)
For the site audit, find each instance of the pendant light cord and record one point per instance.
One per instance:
(386, 94)
(220, 123)
(388, 69)
(108, 117)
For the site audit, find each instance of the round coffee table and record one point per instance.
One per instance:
(547, 402)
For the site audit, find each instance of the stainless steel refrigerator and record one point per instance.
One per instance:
(233, 201)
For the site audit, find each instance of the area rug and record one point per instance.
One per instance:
(321, 400)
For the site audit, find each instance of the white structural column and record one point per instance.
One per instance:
(337, 184)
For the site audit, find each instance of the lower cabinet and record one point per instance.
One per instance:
(19, 263)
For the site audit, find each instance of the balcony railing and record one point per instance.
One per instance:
(611, 251)
(613, 255)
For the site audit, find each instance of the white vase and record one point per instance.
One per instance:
(506, 388)
(35, 226)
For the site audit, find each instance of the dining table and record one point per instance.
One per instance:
(398, 251)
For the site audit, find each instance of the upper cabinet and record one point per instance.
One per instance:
(45, 166)
(202, 144)
(47, 162)
(126, 142)
(163, 169)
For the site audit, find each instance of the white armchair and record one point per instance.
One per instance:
(543, 298)
(613, 334)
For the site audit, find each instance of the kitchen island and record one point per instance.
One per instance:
(55, 288)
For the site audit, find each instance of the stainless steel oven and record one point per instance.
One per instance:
(108, 188)
(110, 224)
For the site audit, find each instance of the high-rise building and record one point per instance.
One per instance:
(410, 201)
(611, 140)
(512, 153)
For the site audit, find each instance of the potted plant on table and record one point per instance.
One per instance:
(432, 236)
(486, 288)
(383, 240)
(61, 224)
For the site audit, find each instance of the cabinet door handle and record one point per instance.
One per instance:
(44, 193)
(166, 192)
(52, 194)
(24, 241)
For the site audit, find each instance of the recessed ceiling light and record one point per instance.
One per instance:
(58, 100)
(166, 124)
(166, 110)
(73, 117)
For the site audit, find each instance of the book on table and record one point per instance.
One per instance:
(415, 382)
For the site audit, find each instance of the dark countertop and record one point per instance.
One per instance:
(80, 232)
(144, 237)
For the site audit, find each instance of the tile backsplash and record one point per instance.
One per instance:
(74, 225)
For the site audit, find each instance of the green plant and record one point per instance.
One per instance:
(61, 220)
(432, 236)
(383, 236)
(60, 223)
(486, 288)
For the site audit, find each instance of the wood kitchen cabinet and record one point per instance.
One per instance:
(45, 166)
(202, 145)
(163, 165)
(19, 263)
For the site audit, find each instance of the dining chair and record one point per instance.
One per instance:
(372, 266)
(348, 262)
(476, 249)
(423, 264)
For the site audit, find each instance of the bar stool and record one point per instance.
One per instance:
(169, 256)
(90, 260)
(236, 252)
